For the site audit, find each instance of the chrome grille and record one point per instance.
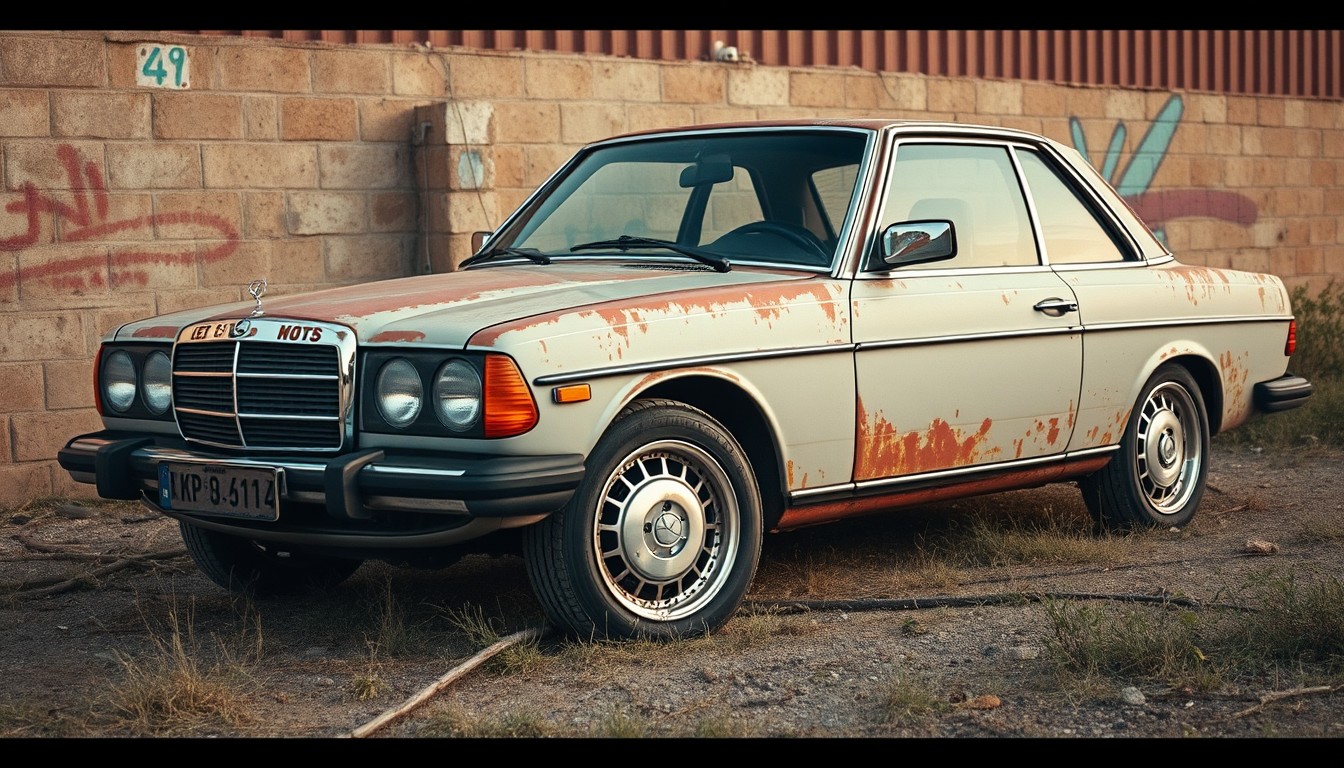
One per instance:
(245, 393)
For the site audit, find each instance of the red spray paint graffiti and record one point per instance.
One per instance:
(86, 214)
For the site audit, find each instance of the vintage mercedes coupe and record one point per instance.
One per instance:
(686, 339)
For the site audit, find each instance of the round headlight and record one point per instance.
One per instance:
(156, 386)
(400, 392)
(118, 380)
(457, 395)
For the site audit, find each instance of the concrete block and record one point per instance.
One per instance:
(694, 84)
(197, 116)
(20, 390)
(364, 166)
(39, 436)
(69, 383)
(263, 68)
(318, 119)
(346, 71)
(51, 62)
(319, 213)
(24, 113)
(153, 165)
(264, 166)
(102, 115)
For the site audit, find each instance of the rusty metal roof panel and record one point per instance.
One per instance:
(1287, 62)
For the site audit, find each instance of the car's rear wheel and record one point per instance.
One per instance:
(662, 538)
(245, 566)
(1158, 477)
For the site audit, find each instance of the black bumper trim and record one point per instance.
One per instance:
(1282, 394)
(488, 486)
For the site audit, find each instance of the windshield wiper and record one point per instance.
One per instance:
(625, 242)
(528, 253)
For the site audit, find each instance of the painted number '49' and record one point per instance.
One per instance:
(162, 66)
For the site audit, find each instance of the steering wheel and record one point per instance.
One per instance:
(800, 236)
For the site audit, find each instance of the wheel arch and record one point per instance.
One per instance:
(1205, 374)
(741, 414)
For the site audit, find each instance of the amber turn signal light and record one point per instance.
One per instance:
(509, 408)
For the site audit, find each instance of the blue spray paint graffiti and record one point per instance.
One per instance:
(1158, 208)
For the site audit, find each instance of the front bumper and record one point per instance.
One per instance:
(462, 495)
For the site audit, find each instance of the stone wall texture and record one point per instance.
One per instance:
(316, 164)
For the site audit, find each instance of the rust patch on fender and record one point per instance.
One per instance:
(882, 452)
(157, 332)
(389, 336)
(1236, 399)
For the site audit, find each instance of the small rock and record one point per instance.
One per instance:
(73, 511)
(1131, 695)
(1260, 547)
(1024, 652)
(20, 519)
(985, 701)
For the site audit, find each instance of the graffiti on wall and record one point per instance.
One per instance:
(83, 217)
(1156, 208)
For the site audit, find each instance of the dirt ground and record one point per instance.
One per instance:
(89, 593)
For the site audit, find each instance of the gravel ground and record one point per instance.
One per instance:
(832, 638)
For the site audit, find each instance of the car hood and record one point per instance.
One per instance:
(447, 309)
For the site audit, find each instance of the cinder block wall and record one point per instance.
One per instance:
(317, 165)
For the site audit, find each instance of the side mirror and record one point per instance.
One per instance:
(916, 242)
(478, 240)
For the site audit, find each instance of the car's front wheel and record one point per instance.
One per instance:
(663, 537)
(245, 566)
(1158, 477)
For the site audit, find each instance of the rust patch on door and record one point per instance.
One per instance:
(884, 452)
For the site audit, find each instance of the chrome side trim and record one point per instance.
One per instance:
(964, 337)
(683, 362)
(1099, 327)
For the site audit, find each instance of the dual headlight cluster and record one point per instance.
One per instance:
(455, 394)
(136, 381)
(429, 394)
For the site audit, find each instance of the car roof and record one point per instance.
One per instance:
(874, 124)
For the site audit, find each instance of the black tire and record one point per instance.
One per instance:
(1158, 478)
(662, 538)
(244, 566)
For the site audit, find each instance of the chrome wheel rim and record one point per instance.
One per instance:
(1168, 448)
(666, 532)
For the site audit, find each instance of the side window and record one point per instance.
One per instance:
(1072, 233)
(976, 188)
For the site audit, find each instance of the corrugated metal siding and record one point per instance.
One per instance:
(1282, 62)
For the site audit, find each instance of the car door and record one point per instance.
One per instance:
(970, 361)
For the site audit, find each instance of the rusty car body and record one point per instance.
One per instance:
(684, 340)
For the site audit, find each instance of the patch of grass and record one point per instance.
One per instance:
(455, 721)
(721, 725)
(1092, 641)
(620, 724)
(906, 699)
(1291, 629)
(31, 721)
(182, 685)
(992, 539)
(1295, 624)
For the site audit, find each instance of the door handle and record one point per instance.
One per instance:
(1055, 307)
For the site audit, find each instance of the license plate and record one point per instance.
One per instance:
(224, 490)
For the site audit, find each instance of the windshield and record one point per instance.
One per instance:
(778, 197)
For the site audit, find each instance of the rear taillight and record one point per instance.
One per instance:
(1290, 345)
